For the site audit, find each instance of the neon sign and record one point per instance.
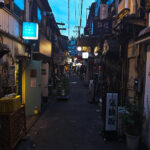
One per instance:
(30, 31)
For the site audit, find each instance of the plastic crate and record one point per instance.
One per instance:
(12, 128)
(10, 104)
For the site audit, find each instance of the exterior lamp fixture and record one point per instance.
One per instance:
(79, 48)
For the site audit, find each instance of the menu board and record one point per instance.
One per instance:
(111, 111)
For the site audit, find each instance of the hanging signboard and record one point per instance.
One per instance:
(122, 14)
(111, 112)
(102, 27)
(30, 31)
(85, 55)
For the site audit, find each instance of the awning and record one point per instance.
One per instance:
(40, 56)
(144, 36)
(22, 57)
(144, 31)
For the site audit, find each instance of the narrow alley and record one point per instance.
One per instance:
(75, 74)
(69, 125)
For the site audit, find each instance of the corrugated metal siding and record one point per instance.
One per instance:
(9, 24)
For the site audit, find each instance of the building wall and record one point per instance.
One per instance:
(146, 126)
(9, 24)
(97, 7)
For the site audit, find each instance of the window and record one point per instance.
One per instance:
(19, 4)
(110, 2)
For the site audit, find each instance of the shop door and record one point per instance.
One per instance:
(33, 87)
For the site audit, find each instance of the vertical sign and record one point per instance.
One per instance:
(111, 111)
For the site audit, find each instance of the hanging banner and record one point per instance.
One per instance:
(111, 111)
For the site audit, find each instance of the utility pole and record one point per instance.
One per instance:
(81, 16)
(78, 30)
(68, 18)
(87, 13)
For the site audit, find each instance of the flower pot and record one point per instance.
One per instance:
(132, 142)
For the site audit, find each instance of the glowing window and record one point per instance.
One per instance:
(110, 2)
(39, 15)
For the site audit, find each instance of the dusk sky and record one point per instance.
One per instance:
(60, 11)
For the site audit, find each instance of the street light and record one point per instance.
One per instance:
(79, 48)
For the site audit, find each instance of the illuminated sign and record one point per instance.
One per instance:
(30, 31)
(45, 46)
(122, 14)
(85, 55)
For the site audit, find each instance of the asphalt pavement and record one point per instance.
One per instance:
(69, 125)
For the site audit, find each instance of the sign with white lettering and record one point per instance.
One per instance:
(30, 31)
(102, 27)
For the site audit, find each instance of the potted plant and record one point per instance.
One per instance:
(132, 119)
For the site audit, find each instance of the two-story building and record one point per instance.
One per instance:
(13, 47)
(28, 34)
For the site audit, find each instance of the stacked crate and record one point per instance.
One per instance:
(12, 128)
(10, 103)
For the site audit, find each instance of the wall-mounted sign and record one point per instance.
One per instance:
(122, 14)
(102, 27)
(85, 55)
(30, 30)
(43, 71)
(33, 83)
(45, 46)
(111, 112)
(33, 73)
